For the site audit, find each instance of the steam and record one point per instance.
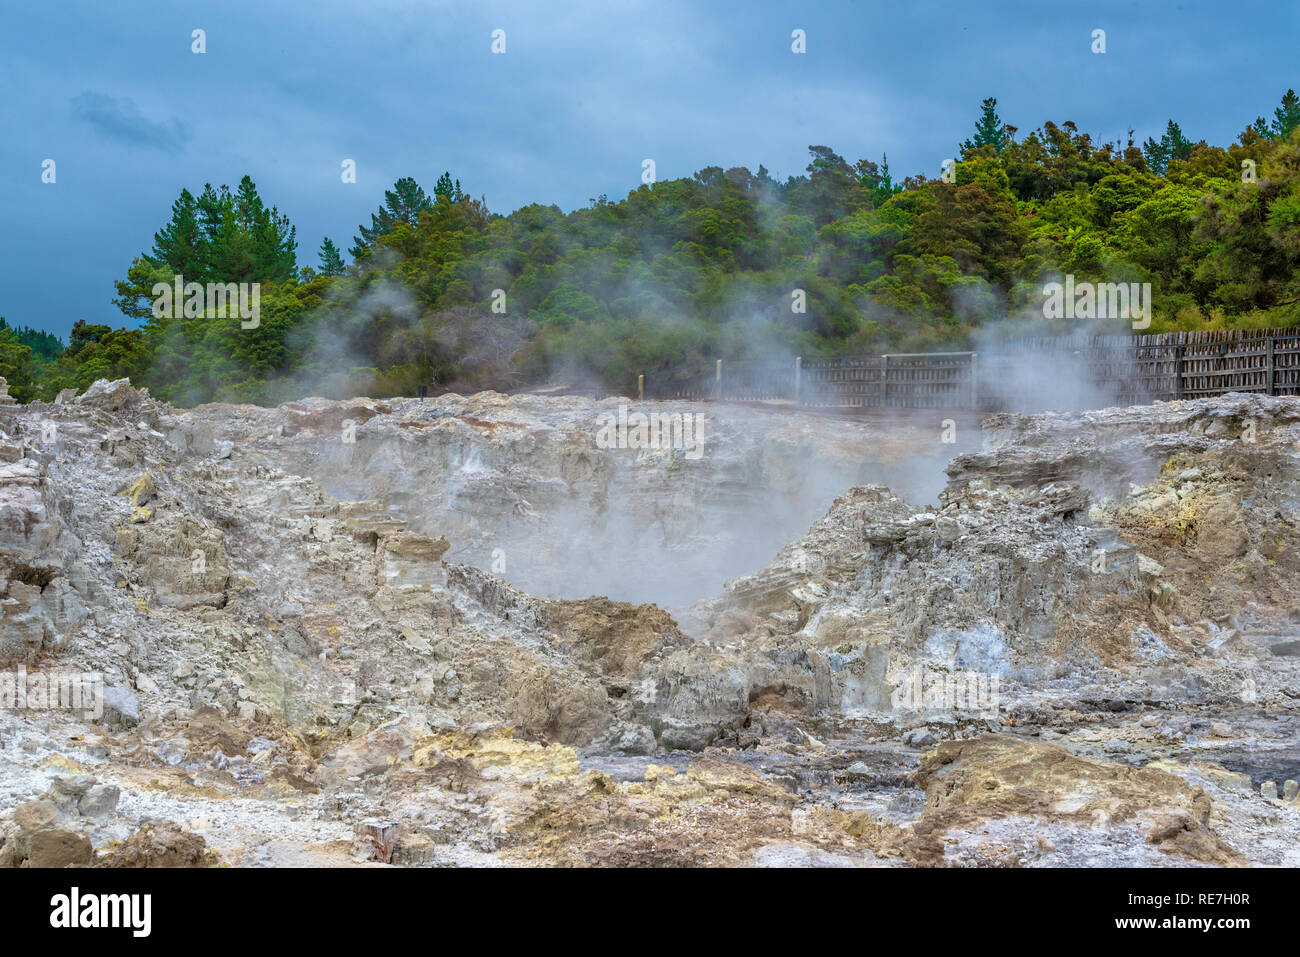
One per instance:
(655, 525)
(571, 520)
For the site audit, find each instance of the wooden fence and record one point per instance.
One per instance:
(1020, 375)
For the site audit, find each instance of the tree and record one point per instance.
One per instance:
(705, 266)
(402, 204)
(445, 187)
(179, 244)
(44, 345)
(331, 263)
(1172, 146)
(877, 179)
(16, 365)
(989, 130)
(219, 236)
(1285, 118)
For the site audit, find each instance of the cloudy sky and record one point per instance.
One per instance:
(584, 92)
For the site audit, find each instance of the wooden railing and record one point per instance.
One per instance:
(1025, 374)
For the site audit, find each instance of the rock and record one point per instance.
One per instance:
(315, 558)
(55, 847)
(547, 707)
(860, 771)
(707, 695)
(100, 801)
(375, 751)
(121, 707)
(413, 559)
(1149, 566)
(172, 751)
(141, 491)
(67, 792)
(1162, 595)
(971, 781)
(375, 840)
(1290, 789)
(1220, 729)
(160, 843)
(1232, 780)
(32, 816)
(919, 738)
(110, 396)
(634, 739)
(1268, 790)
(181, 558)
(23, 627)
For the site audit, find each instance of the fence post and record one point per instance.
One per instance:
(1269, 366)
(717, 380)
(1178, 371)
(798, 370)
(974, 381)
(640, 387)
(884, 380)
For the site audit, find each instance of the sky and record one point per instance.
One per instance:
(584, 92)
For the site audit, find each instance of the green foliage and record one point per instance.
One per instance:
(727, 262)
(402, 204)
(1172, 146)
(16, 365)
(220, 237)
(1285, 118)
(331, 262)
(990, 131)
(45, 346)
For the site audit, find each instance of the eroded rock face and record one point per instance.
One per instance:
(1074, 545)
(40, 608)
(326, 627)
(519, 485)
(182, 560)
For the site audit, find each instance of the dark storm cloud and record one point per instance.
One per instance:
(587, 90)
(121, 120)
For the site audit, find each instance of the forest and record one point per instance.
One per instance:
(442, 292)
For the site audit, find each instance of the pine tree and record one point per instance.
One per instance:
(249, 209)
(331, 263)
(1172, 146)
(885, 188)
(179, 244)
(989, 129)
(403, 203)
(1286, 117)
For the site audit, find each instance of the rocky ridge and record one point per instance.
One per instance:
(308, 656)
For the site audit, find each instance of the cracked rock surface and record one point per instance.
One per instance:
(461, 632)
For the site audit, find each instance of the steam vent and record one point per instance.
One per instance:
(495, 629)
